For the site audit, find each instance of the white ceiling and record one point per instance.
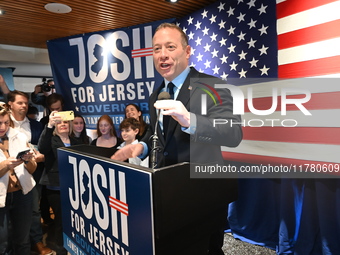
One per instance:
(28, 62)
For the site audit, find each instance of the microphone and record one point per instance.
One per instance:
(155, 148)
(163, 95)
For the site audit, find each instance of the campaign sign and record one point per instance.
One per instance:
(106, 207)
(101, 72)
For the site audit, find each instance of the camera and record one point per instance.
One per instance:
(46, 87)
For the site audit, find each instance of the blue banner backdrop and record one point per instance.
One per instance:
(101, 72)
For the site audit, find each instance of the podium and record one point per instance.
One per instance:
(111, 207)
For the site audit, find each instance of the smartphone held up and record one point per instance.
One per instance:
(66, 115)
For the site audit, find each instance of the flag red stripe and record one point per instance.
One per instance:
(309, 35)
(290, 7)
(310, 68)
(315, 135)
(318, 101)
(259, 159)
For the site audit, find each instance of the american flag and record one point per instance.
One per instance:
(262, 44)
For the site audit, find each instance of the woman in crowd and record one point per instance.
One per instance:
(133, 111)
(107, 135)
(16, 183)
(56, 134)
(79, 130)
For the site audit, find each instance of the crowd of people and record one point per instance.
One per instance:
(30, 203)
(33, 179)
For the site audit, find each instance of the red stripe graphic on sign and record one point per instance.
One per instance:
(119, 205)
(141, 52)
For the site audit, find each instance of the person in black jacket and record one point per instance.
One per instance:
(42, 91)
(56, 134)
(133, 111)
(188, 135)
(54, 102)
(79, 130)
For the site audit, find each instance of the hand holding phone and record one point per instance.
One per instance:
(22, 153)
(66, 115)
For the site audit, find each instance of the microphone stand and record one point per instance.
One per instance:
(155, 147)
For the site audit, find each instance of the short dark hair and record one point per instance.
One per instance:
(53, 98)
(129, 123)
(12, 94)
(142, 123)
(32, 110)
(83, 135)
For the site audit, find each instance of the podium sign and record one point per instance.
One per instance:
(106, 208)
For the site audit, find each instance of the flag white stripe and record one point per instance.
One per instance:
(302, 151)
(317, 50)
(319, 118)
(334, 75)
(313, 85)
(308, 18)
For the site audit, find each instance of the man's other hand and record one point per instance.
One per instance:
(176, 109)
(128, 151)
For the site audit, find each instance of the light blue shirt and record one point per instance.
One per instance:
(178, 83)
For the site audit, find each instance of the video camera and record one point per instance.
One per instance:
(46, 87)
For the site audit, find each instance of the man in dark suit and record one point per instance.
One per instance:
(188, 135)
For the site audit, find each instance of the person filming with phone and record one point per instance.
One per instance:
(56, 134)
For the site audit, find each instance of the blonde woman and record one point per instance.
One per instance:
(56, 134)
